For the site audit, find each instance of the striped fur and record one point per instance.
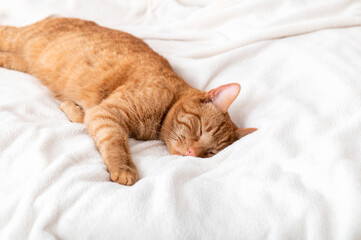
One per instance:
(119, 87)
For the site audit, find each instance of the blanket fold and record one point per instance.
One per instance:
(297, 177)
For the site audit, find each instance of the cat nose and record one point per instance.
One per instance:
(191, 152)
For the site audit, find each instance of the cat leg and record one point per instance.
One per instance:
(110, 133)
(13, 61)
(74, 112)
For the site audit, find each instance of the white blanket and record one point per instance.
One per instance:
(297, 177)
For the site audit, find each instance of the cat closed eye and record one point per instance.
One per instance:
(210, 153)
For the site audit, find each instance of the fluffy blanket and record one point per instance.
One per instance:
(297, 177)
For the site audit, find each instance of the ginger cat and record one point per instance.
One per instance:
(120, 88)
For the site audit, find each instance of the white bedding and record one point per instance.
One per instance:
(297, 177)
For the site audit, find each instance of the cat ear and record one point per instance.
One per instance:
(223, 96)
(241, 132)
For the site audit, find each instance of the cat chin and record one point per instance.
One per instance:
(176, 150)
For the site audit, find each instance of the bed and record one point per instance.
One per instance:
(297, 177)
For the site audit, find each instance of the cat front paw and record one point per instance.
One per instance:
(123, 176)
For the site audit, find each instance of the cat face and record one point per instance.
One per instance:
(199, 125)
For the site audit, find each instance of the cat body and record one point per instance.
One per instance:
(120, 88)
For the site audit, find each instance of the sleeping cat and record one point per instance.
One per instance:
(120, 88)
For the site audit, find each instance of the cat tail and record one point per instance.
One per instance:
(10, 49)
(9, 39)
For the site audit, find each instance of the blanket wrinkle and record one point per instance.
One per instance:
(297, 177)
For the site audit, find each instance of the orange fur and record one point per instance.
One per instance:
(120, 88)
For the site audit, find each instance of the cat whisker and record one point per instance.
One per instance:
(179, 134)
(168, 138)
(174, 136)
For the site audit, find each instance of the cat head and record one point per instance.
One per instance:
(198, 123)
